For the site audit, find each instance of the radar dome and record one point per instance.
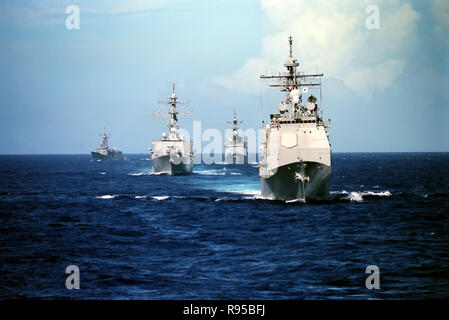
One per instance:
(310, 106)
(295, 95)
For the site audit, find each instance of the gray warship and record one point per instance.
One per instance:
(172, 154)
(295, 154)
(235, 147)
(103, 152)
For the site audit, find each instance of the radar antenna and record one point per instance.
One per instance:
(293, 83)
(172, 102)
(104, 139)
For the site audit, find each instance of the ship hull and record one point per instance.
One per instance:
(287, 185)
(109, 156)
(171, 166)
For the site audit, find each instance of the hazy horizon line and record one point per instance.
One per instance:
(136, 153)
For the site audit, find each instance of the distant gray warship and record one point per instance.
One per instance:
(173, 154)
(235, 147)
(103, 152)
(295, 157)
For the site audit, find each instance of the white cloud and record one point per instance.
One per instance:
(332, 35)
(365, 80)
(242, 80)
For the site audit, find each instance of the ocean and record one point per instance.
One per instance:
(209, 235)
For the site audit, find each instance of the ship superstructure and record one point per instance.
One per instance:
(235, 147)
(173, 153)
(103, 152)
(295, 155)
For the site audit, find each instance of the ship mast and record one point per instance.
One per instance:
(172, 124)
(291, 66)
(104, 139)
(173, 121)
(235, 127)
(293, 80)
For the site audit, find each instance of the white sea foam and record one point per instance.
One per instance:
(250, 194)
(102, 172)
(295, 201)
(211, 172)
(138, 174)
(245, 192)
(252, 197)
(357, 196)
(159, 198)
(377, 194)
(107, 196)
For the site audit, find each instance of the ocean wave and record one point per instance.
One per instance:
(138, 174)
(296, 201)
(210, 172)
(107, 196)
(159, 198)
(217, 172)
(167, 197)
(377, 194)
(237, 199)
(358, 196)
(250, 192)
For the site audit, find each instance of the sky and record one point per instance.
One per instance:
(385, 89)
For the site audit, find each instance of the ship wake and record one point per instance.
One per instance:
(358, 196)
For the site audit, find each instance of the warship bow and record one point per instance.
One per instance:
(172, 154)
(295, 154)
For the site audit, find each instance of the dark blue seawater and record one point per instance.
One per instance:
(135, 235)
